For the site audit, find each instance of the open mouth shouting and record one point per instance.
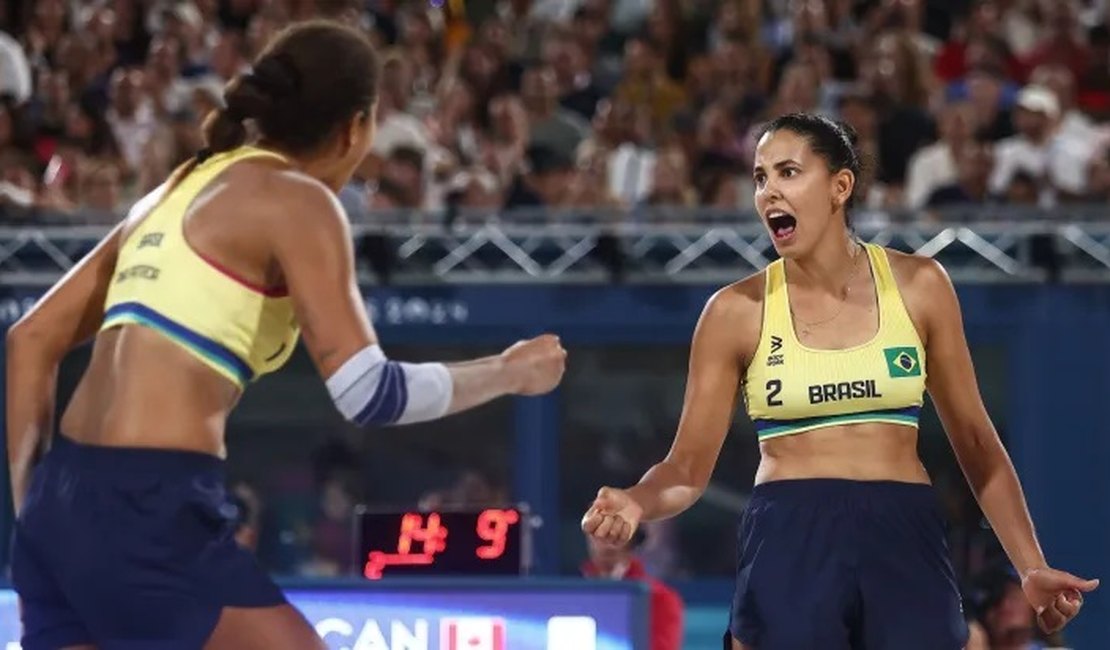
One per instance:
(782, 225)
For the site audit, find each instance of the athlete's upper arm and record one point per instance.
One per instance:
(726, 334)
(73, 309)
(311, 241)
(951, 376)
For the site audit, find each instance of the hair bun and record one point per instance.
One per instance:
(244, 99)
(275, 77)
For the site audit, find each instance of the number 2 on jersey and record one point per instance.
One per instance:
(773, 388)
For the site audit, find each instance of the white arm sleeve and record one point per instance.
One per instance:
(369, 389)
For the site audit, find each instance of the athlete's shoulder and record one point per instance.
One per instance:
(733, 317)
(917, 272)
(735, 311)
(739, 300)
(292, 205)
(297, 193)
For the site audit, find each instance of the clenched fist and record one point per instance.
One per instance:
(536, 366)
(1056, 596)
(613, 517)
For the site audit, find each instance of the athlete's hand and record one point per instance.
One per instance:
(535, 366)
(1056, 596)
(613, 517)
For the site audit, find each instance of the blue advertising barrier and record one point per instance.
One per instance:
(455, 614)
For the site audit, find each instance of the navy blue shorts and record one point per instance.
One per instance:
(838, 564)
(129, 548)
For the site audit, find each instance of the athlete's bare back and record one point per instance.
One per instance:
(142, 390)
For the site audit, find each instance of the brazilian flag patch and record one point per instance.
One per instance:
(902, 362)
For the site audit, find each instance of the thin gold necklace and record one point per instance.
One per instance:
(807, 326)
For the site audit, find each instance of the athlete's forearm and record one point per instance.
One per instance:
(998, 490)
(478, 381)
(665, 491)
(29, 399)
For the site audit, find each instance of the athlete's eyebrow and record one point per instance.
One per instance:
(779, 165)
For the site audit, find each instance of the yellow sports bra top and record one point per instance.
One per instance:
(790, 388)
(240, 330)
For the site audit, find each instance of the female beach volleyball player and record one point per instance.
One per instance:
(124, 538)
(842, 543)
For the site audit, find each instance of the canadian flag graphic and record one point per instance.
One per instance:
(472, 633)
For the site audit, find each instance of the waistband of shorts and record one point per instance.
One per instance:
(170, 463)
(821, 489)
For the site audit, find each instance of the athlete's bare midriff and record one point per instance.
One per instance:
(142, 390)
(861, 452)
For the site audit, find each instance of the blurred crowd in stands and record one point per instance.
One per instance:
(491, 104)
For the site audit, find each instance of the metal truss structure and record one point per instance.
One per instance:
(404, 249)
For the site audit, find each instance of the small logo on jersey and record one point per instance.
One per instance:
(153, 239)
(902, 362)
(142, 271)
(775, 359)
(276, 354)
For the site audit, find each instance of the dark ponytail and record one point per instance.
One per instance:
(250, 96)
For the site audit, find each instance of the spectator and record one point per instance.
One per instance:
(570, 59)
(935, 166)
(546, 174)
(229, 56)
(131, 116)
(591, 186)
(502, 148)
(646, 83)
(620, 147)
(670, 182)
(549, 124)
(472, 489)
(15, 72)
(17, 184)
(973, 169)
(168, 90)
(666, 612)
(100, 194)
(1023, 190)
(404, 168)
(1098, 178)
(474, 189)
(336, 477)
(1005, 614)
(1063, 40)
(899, 78)
(1057, 163)
(986, 89)
(1074, 125)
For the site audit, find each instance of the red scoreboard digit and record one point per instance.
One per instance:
(456, 542)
